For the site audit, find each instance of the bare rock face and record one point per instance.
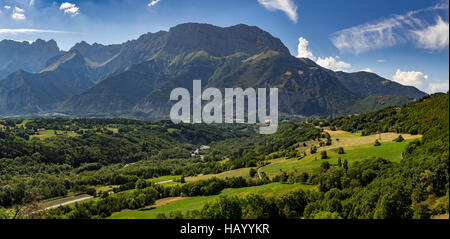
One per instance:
(217, 41)
(25, 56)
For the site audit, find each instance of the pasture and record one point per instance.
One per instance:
(191, 203)
(242, 172)
(356, 148)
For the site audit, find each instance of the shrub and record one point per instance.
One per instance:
(399, 139)
(313, 149)
(377, 143)
(252, 172)
(325, 165)
(326, 215)
(323, 155)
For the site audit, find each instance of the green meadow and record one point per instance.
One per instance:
(163, 178)
(241, 172)
(51, 133)
(388, 150)
(191, 203)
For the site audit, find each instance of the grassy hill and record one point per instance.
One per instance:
(185, 204)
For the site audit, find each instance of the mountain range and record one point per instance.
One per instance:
(32, 57)
(134, 79)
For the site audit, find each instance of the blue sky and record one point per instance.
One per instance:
(406, 41)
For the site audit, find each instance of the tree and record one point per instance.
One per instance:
(339, 163)
(340, 150)
(399, 139)
(304, 177)
(313, 149)
(252, 172)
(323, 155)
(141, 184)
(256, 207)
(377, 143)
(345, 164)
(421, 211)
(326, 215)
(284, 177)
(225, 207)
(161, 216)
(325, 165)
(103, 194)
(91, 191)
(175, 215)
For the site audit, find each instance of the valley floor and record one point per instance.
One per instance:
(356, 148)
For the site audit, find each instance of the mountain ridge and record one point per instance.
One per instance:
(31, 57)
(23, 92)
(136, 77)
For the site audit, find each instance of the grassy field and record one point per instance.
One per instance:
(108, 188)
(356, 148)
(242, 172)
(347, 139)
(23, 123)
(184, 204)
(100, 188)
(166, 180)
(52, 133)
(163, 178)
(114, 130)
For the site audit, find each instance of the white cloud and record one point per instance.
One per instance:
(69, 8)
(391, 31)
(367, 70)
(303, 50)
(153, 3)
(419, 80)
(380, 61)
(287, 6)
(433, 37)
(31, 3)
(18, 9)
(7, 7)
(18, 14)
(333, 64)
(438, 87)
(6, 31)
(412, 78)
(330, 62)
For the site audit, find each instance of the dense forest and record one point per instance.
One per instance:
(48, 158)
(80, 154)
(418, 187)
